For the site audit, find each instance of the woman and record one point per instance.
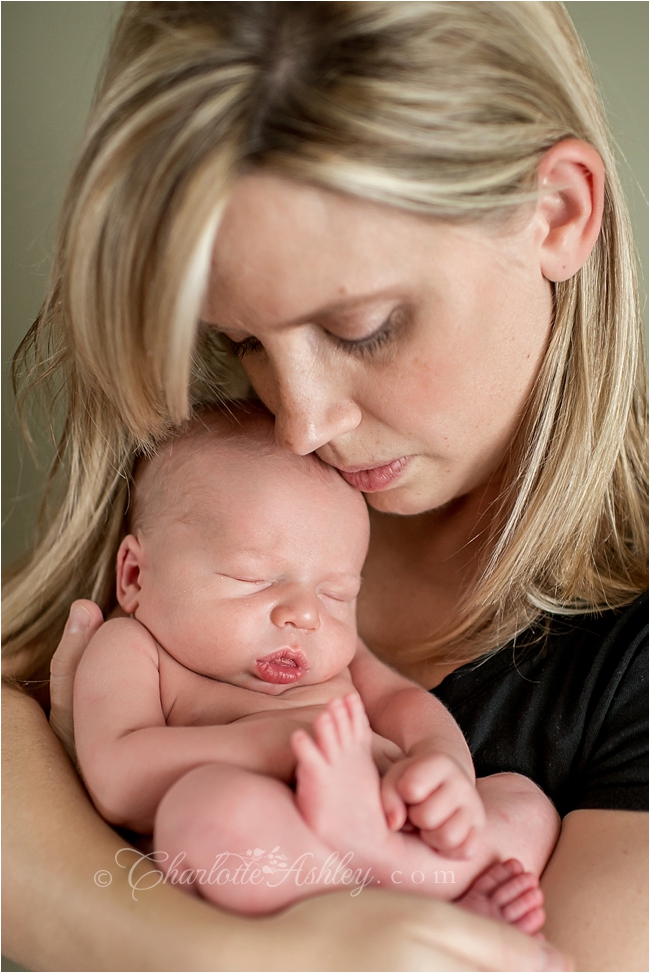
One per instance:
(405, 220)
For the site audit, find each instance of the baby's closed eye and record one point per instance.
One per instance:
(344, 592)
(230, 583)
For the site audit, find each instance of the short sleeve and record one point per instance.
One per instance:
(615, 751)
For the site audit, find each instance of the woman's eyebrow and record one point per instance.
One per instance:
(345, 304)
(328, 310)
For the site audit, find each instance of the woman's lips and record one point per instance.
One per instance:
(284, 666)
(377, 477)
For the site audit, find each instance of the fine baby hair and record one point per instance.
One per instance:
(160, 476)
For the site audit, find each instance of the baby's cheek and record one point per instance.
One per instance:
(341, 611)
(238, 630)
(341, 641)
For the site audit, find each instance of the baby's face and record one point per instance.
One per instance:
(253, 577)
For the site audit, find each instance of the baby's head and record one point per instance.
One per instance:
(243, 560)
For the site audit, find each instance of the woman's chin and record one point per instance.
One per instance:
(406, 501)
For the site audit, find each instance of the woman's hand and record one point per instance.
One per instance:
(56, 843)
(382, 930)
(83, 621)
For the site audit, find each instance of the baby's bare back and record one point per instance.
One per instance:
(191, 699)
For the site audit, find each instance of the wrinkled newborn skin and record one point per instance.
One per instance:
(240, 574)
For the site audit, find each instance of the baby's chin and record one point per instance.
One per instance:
(255, 684)
(310, 680)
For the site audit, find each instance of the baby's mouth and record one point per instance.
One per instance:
(283, 666)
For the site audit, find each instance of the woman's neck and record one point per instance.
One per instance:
(417, 571)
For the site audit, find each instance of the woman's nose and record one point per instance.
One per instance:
(312, 409)
(303, 430)
(297, 609)
(311, 396)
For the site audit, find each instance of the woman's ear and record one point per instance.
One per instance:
(572, 187)
(129, 566)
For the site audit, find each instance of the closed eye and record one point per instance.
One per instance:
(361, 347)
(343, 595)
(249, 581)
(365, 347)
(246, 347)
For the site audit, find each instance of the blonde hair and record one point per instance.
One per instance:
(442, 109)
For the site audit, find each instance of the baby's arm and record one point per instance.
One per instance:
(129, 757)
(436, 779)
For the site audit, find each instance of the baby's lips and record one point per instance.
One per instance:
(284, 666)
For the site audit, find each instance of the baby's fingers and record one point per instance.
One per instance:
(83, 621)
(451, 818)
(422, 777)
(455, 838)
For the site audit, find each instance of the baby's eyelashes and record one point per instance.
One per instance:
(229, 579)
(345, 593)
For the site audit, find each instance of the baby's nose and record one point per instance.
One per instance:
(297, 608)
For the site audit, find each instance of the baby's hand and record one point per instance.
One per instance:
(435, 794)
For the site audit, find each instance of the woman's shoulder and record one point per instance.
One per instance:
(591, 649)
(566, 705)
(608, 633)
(608, 640)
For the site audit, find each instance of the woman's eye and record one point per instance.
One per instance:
(242, 348)
(361, 347)
(368, 346)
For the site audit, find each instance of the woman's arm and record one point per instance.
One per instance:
(596, 887)
(57, 917)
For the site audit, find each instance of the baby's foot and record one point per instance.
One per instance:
(505, 891)
(337, 782)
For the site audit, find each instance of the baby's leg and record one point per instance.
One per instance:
(237, 839)
(524, 824)
(338, 795)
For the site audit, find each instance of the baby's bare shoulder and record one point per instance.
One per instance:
(121, 639)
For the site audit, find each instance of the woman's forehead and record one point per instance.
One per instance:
(287, 251)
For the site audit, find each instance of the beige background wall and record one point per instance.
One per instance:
(51, 55)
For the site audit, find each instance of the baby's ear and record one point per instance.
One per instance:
(129, 565)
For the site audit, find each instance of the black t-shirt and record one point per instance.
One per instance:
(569, 710)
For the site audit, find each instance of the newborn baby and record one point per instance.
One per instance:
(237, 715)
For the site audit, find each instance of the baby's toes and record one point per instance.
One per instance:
(520, 901)
(394, 807)
(532, 923)
(360, 727)
(528, 904)
(303, 746)
(327, 735)
(515, 889)
(339, 712)
(497, 875)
